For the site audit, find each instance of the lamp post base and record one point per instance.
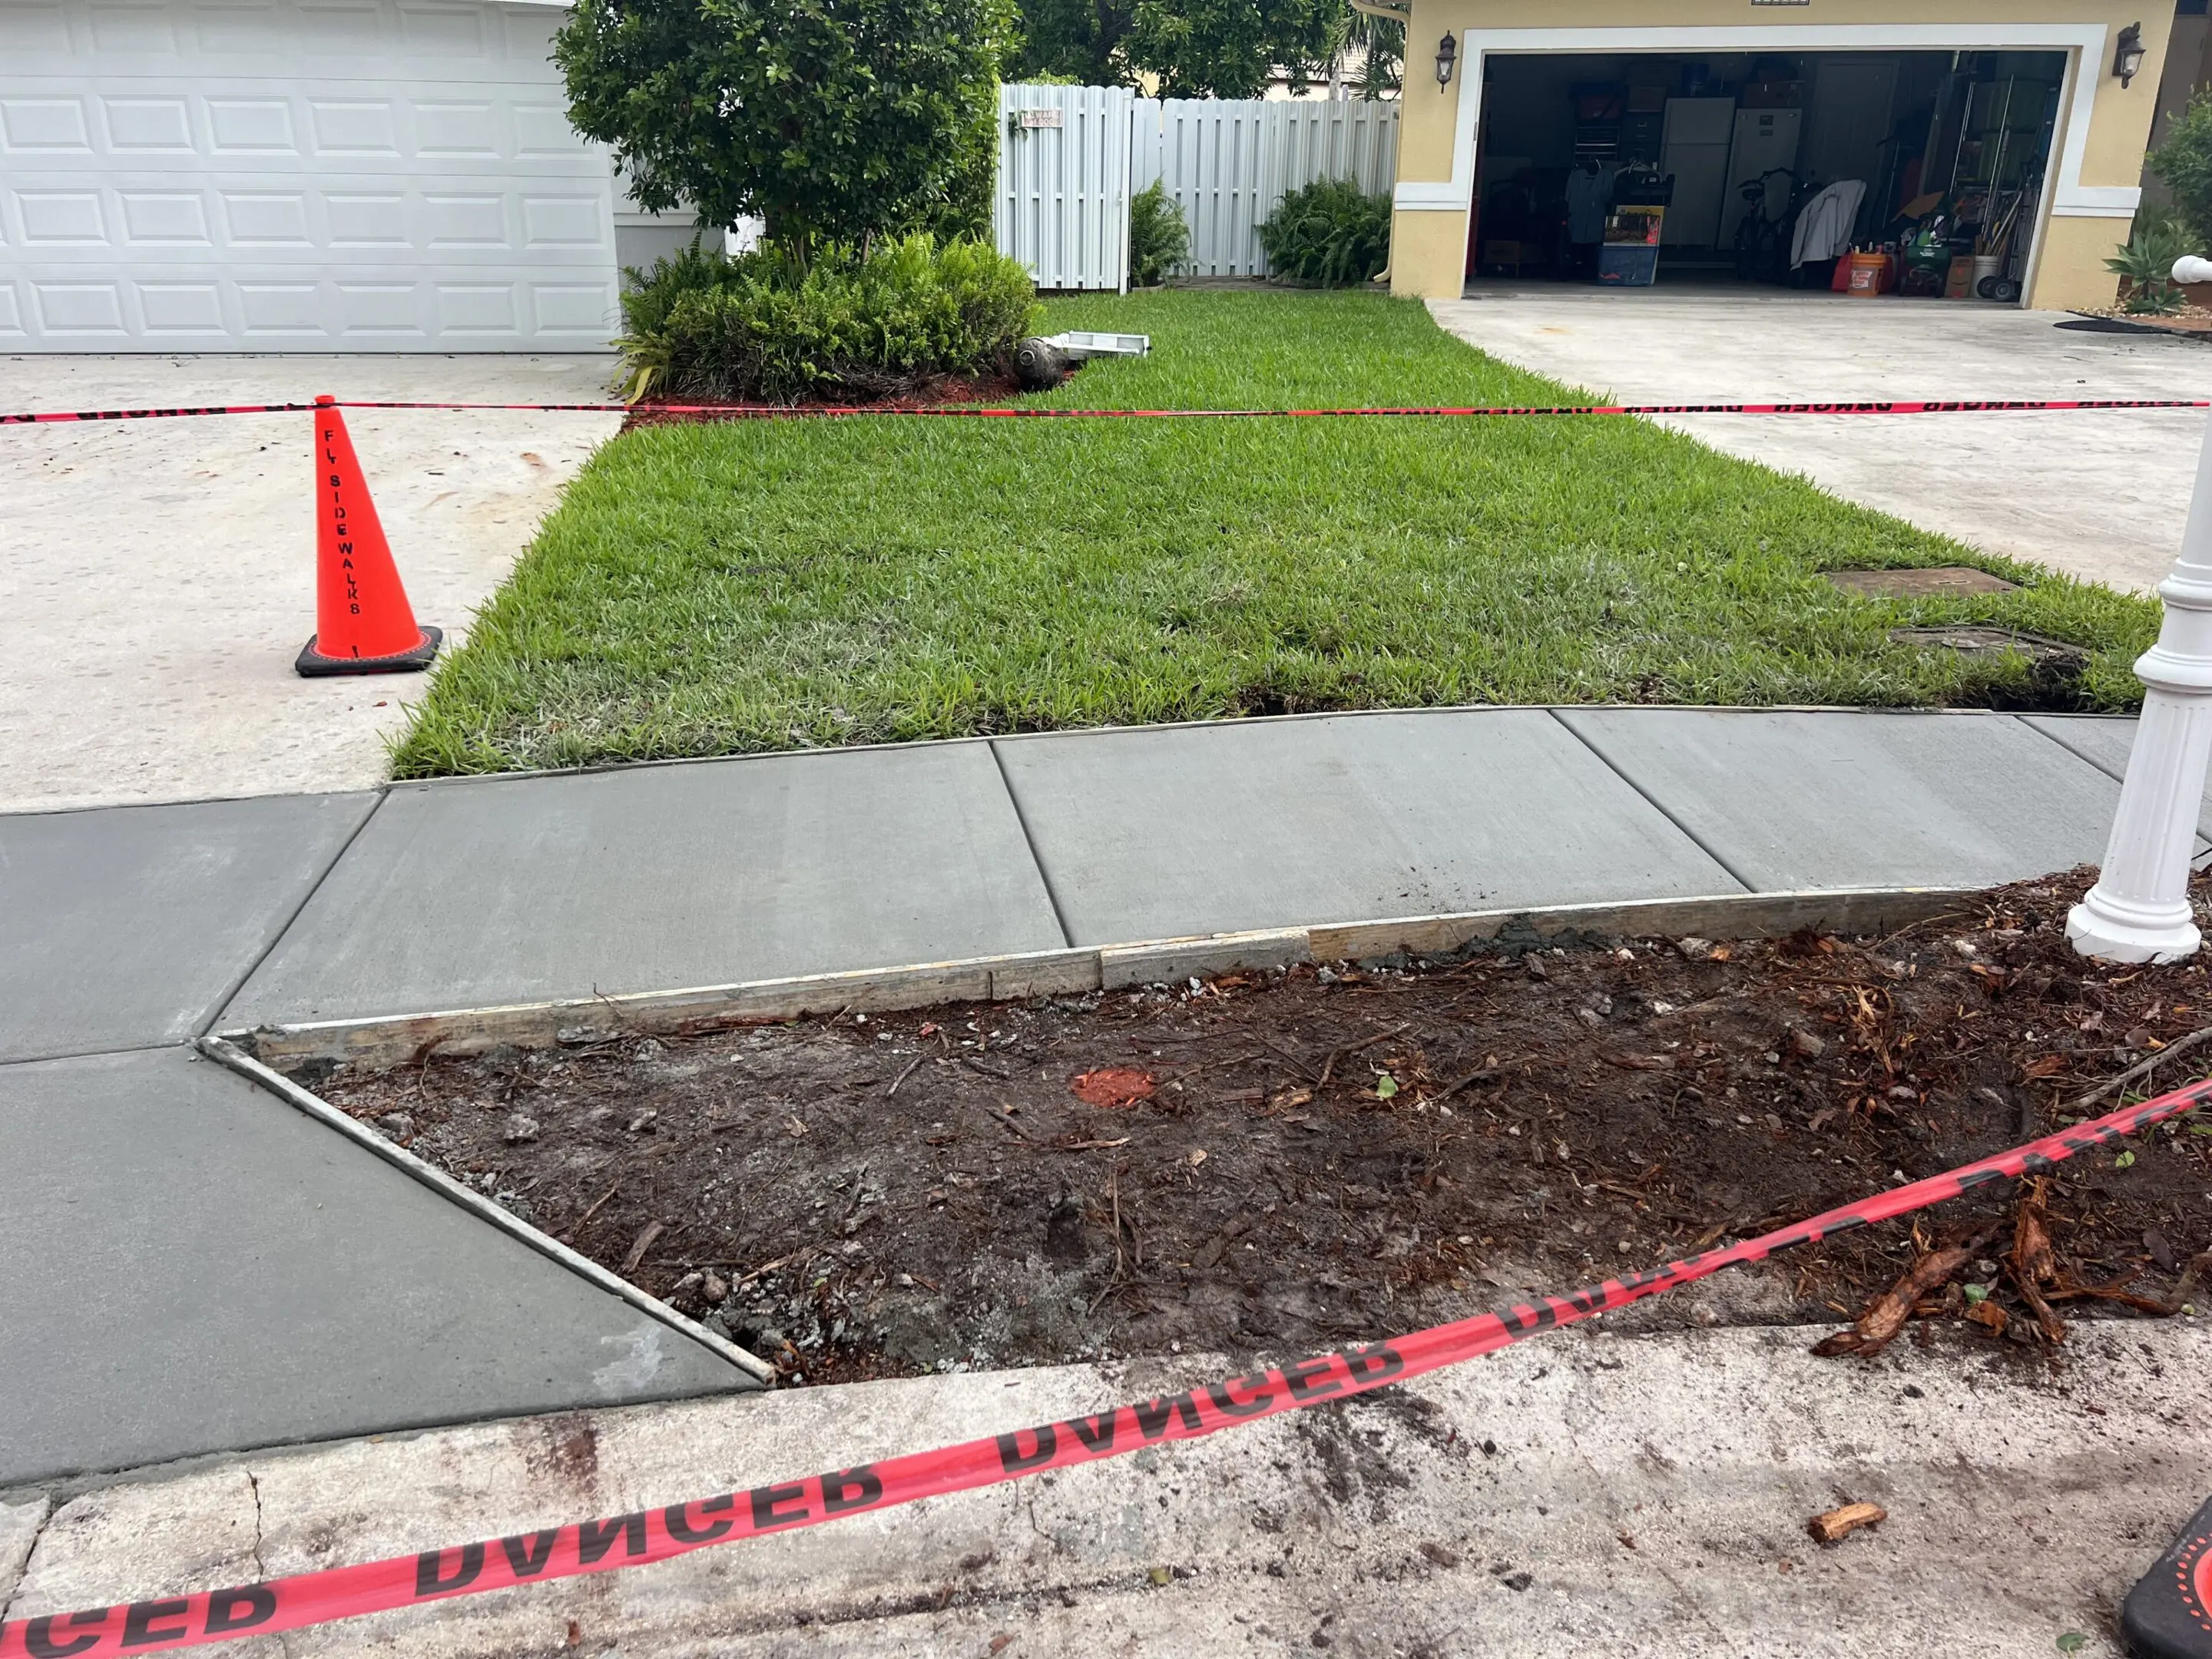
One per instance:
(2116, 930)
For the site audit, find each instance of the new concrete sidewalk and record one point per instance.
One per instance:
(220, 1272)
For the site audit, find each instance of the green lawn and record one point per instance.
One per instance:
(768, 585)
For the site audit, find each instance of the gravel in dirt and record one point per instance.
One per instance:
(1266, 1164)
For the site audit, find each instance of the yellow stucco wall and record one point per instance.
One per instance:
(1429, 247)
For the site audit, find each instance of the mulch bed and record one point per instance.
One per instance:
(931, 394)
(1267, 1163)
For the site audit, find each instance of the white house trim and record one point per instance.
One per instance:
(2065, 195)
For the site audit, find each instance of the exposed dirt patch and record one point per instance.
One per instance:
(930, 392)
(1331, 1154)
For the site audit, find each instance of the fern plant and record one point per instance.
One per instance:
(1159, 239)
(1331, 232)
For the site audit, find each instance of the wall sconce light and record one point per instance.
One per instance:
(2128, 57)
(1448, 54)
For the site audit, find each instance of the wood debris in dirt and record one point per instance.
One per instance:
(1885, 1316)
(651, 1230)
(1836, 1525)
(2034, 1262)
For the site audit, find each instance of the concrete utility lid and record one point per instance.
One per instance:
(1911, 584)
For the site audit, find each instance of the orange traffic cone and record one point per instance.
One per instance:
(363, 624)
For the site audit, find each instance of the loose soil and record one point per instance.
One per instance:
(931, 392)
(1266, 1164)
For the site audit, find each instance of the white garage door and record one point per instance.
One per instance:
(364, 175)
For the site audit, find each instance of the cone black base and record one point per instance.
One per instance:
(313, 663)
(2165, 1616)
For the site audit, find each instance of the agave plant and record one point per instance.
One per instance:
(2146, 260)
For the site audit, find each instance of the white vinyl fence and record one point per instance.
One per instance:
(1069, 158)
(1228, 161)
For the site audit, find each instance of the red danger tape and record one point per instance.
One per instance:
(978, 411)
(574, 1547)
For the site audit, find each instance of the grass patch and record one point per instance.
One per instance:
(767, 585)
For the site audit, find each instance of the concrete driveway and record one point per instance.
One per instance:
(2099, 496)
(157, 577)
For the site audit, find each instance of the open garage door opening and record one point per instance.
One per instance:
(1920, 175)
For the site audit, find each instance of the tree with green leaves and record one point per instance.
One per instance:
(1229, 48)
(1379, 44)
(834, 120)
(1077, 41)
(1204, 48)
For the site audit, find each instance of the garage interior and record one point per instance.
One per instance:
(1914, 173)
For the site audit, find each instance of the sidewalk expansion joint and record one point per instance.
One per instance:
(1655, 802)
(1037, 856)
(276, 934)
(96, 1054)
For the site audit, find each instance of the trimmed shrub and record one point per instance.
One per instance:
(764, 327)
(1330, 233)
(1159, 238)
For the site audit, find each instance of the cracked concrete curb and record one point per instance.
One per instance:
(19, 1526)
(1575, 1494)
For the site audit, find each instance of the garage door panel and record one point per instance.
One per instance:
(239, 31)
(164, 219)
(142, 127)
(181, 312)
(402, 175)
(448, 129)
(27, 28)
(80, 311)
(444, 29)
(147, 30)
(264, 219)
(60, 218)
(251, 126)
(44, 127)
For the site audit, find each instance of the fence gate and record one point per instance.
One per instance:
(1062, 207)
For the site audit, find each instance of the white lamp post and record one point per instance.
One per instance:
(2139, 909)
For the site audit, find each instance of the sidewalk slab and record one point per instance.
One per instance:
(189, 1264)
(124, 929)
(1789, 800)
(477, 893)
(1148, 833)
(1580, 1494)
(2106, 742)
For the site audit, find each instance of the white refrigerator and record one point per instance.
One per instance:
(1764, 139)
(1694, 147)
